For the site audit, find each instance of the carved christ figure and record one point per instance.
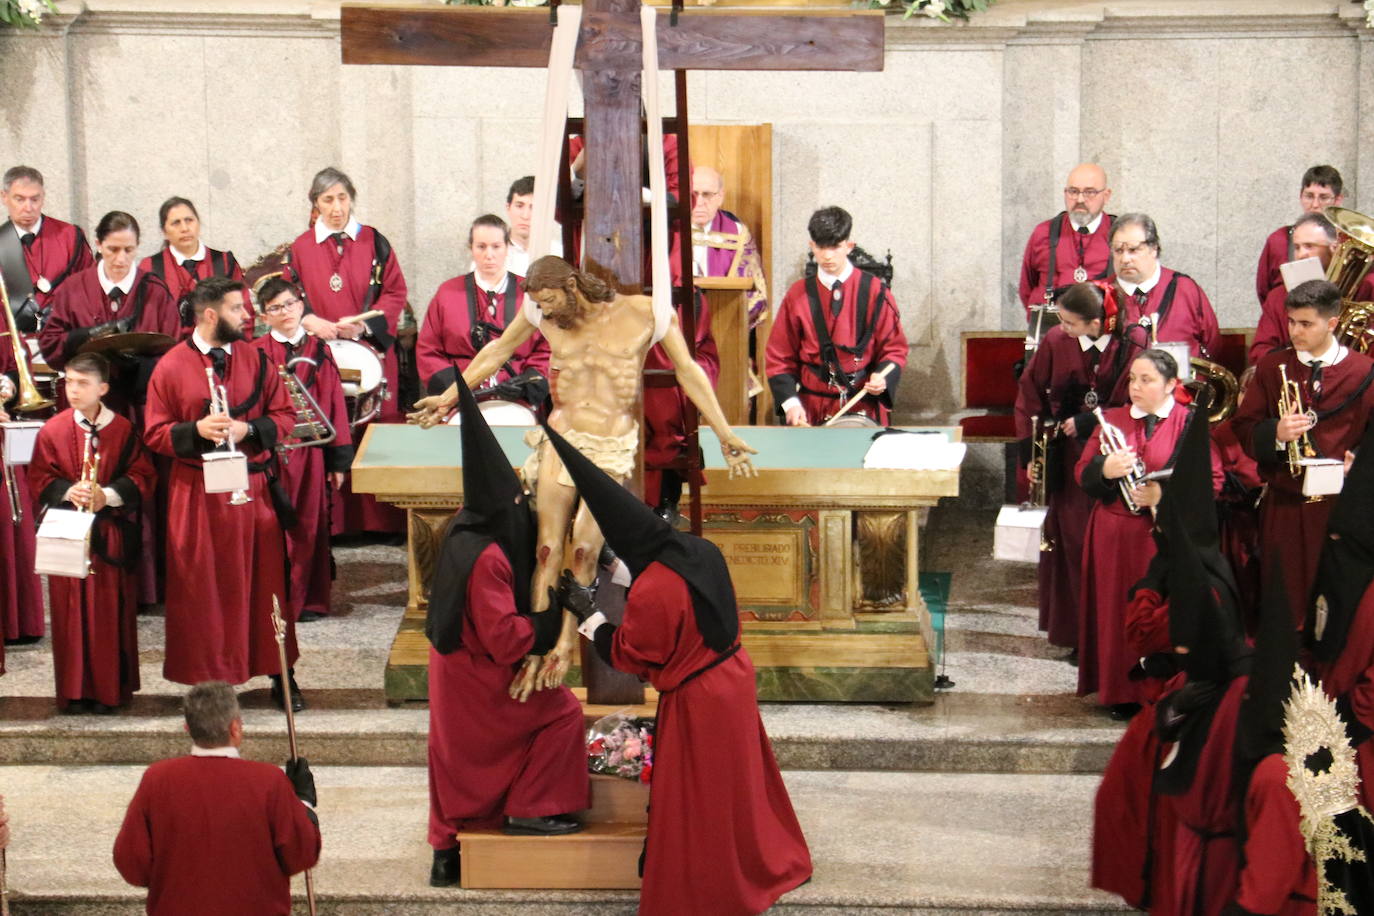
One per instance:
(598, 340)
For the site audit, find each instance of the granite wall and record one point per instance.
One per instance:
(1204, 113)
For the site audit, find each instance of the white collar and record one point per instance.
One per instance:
(1333, 354)
(1099, 344)
(204, 347)
(106, 284)
(181, 259)
(198, 751)
(37, 227)
(1092, 226)
(102, 419)
(829, 280)
(513, 245)
(500, 286)
(294, 341)
(1148, 285)
(351, 230)
(1162, 413)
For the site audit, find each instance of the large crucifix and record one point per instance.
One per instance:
(609, 54)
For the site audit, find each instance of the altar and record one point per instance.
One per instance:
(825, 554)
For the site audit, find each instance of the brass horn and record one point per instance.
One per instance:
(1222, 387)
(1349, 266)
(29, 399)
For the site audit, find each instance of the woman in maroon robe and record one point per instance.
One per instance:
(345, 268)
(185, 259)
(723, 838)
(94, 620)
(21, 592)
(1118, 546)
(311, 475)
(1080, 364)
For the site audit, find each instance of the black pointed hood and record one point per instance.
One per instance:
(495, 509)
(1346, 568)
(640, 537)
(1188, 492)
(1260, 730)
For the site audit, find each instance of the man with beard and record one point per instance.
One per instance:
(225, 562)
(1071, 247)
(598, 340)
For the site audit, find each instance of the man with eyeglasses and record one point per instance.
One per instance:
(1158, 305)
(1321, 188)
(307, 477)
(1072, 246)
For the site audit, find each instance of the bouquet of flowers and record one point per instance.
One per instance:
(936, 9)
(25, 13)
(621, 745)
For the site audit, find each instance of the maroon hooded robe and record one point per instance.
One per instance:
(1091, 251)
(94, 620)
(1290, 524)
(310, 265)
(224, 562)
(665, 422)
(21, 592)
(489, 755)
(446, 345)
(182, 278)
(1277, 250)
(304, 473)
(1181, 313)
(723, 839)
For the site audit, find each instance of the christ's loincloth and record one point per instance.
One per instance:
(613, 454)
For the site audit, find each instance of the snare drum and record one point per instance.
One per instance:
(855, 421)
(500, 413)
(363, 379)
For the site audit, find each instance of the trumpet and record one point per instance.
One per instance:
(90, 470)
(1114, 441)
(1290, 402)
(1042, 433)
(219, 404)
(312, 426)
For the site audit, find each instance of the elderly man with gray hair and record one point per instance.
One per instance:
(1158, 305)
(211, 833)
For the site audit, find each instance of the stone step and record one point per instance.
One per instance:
(927, 844)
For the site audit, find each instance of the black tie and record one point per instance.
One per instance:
(116, 296)
(94, 432)
(1082, 230)
(1316, 366)
(190, 266)
(836, 298)
(338, 238)
(1142, 298)
(1151, 421)
(220, 360)
(1094, 356)
(27, 239)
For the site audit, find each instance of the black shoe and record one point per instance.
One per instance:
(101, 709)
(309, 616)
(1072, 658)
(297, 701)
(1124, 712)
(23, 640)
(445, 870)
(541, 826)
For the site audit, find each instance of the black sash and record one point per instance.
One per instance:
(865, 320)
(1056, 228)
(1355, 396)
(238, 410)
(480, 331)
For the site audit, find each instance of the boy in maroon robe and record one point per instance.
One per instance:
(21, 591)
(723, 839)
(224, 562)
(38, 253)
(94, 620)
(1336, 383)
(1080, 364)
(213, 834)
(834, 334)
(1321, 187)
(1073, 246)
(470, 310)
(309, 476)
(1158, 305)
(494, 760)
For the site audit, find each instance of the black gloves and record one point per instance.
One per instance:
(575, 597)
(118, 326)
(302, 780)
(548, 624)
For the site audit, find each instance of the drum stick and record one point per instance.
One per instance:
(355, 319)
(849, 405)
(4, 887)
(279, 626)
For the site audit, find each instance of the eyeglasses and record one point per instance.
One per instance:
(705, 195)
(1309, 197)
(280, 306)
(1084, 193)
(1119, 250)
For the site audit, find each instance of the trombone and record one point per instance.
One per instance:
(1290, 402)
(219, 403)
(29, 398)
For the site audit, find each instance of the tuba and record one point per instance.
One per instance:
(1223, 391)
(29, 398)
(1349, 266)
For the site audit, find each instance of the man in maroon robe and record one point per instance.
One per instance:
(1071, 247)
(723, 839)
(94, 620)
(494, 760)
(1335, 383)
(1158, 305)
(225, 562)
(665, 414)
(1321, 187)
(1080, 364)
(21, 591)
(309, 476)
(212, 833)
(468, 311)
(37, 252)
(835, 334)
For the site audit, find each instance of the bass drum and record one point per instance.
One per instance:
(364, 382)
(854, 421)
(500, 413)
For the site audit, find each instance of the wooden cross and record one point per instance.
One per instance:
(609, 55)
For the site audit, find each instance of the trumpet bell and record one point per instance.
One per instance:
(1355, 254)
(1222, 389)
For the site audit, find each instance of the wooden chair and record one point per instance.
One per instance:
(988, 384)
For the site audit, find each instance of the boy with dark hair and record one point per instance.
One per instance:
(1321, 187)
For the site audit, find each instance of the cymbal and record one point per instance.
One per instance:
(140, 343)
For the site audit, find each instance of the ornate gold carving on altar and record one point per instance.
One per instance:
(426, 529)
(837, 563)
(880, 560)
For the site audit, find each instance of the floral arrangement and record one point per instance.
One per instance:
(937, 9)
(25, 14)
(621, 745)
